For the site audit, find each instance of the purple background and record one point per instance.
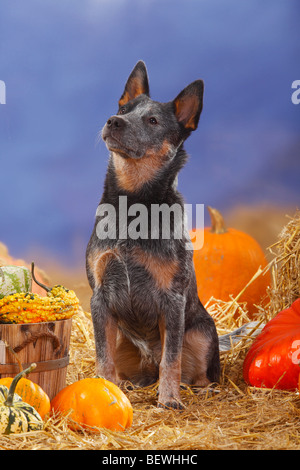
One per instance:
(65, 64)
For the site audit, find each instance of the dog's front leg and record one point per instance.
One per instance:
(171, 332)
(105, 333)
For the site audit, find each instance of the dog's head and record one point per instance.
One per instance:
(143, 127)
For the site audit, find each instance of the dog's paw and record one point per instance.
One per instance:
(171, 404)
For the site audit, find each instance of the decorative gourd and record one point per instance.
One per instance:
(7, 260)
(273, 359)
(31, 393)
(14, 279)
(26, 307)
(16, 416)
(227, 262)
(94, 402)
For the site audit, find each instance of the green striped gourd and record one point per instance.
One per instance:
(14, 279)
(16, 416)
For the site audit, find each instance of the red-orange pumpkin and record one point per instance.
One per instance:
(273, 359)
(226, 263)
(94, 402)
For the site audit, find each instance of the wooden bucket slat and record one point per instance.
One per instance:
(39, 343)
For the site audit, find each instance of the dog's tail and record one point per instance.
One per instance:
(249, 330)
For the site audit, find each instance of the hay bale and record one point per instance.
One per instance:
(286, 267)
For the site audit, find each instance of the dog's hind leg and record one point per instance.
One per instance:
(194, 358)
(200, 351)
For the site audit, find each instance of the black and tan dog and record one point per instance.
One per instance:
(149, 323)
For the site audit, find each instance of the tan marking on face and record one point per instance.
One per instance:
(132, 173)
(98, 262)
(162, 271)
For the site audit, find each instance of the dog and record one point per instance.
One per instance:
(149, 324)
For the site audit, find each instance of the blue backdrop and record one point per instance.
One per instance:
(65, 63)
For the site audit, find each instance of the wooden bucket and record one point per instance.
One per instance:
(46, 344)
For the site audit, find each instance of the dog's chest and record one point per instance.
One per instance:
(134, 280)
(138, 264)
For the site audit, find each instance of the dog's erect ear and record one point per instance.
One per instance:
(188, 105)
(137, 84)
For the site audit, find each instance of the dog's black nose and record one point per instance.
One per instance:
(115, 122)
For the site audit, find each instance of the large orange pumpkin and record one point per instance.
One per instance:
(30, 393)
(226, 263)
(94, 402)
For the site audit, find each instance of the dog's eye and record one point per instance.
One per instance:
(153, 120)
(122, 110)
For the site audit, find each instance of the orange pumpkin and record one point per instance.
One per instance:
(226, 263)
(94, 403)
(30, 393)
(274, 357)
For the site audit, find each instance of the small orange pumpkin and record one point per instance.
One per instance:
(226, 263)
(30, 393)
(94, 403)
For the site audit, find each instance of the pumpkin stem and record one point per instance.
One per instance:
(36, 281)
(11, 391)
(217, 221)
